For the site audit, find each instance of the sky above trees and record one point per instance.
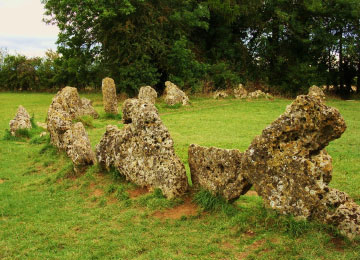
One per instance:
(22, 29)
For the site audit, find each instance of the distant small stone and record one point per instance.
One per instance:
(218, 171)
(109, 96)
(43, 134)
(78, 148)
(148, 93)
(220, 94)
(20, 121)
(173, 95)
(259, 94)
(240, 92)
(87, 108)
(317, 93)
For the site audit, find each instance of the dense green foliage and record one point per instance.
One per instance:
(281, 44)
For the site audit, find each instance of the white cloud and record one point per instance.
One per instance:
(22, 29)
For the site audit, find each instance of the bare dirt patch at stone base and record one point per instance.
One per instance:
(188, 208)
(251, 193)
(138, 192)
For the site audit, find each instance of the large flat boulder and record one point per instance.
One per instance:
(218, 171)
(20, 121)
(143, 150)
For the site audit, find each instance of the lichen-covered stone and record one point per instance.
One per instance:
(109, 96)
(259, 94)
(287, 164)
(65, 107)
(87, 108)
(20, 121)
(317, 92)
(173, 95)
(143, 150)
(220, 94)
(218, 171)
(148, 93)
(240, 92)
(77, 146)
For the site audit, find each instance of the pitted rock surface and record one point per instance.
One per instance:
(240, 92)
(220, 94)
(173, 95)
(317, 92)
(148, 93)
(218, 171)
(87, 108)
(109, 96)
(65, 107)
(288, 164)
(259, 94)
(77, 146)
(143, 150)
(20, 121)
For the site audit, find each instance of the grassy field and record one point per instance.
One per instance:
(47, 213)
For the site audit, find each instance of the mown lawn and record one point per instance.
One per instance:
(47, 213)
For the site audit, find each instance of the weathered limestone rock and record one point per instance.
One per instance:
(220, 94)
(288, 164)
(87, 108)
(20, 121)
(77, 146)
(173, 95)
(341, 211)
(218, 170)
(259, 94)
(148, 93)
(65, 107)
(109, 96)
(143, 150)
(129, 109)
(240, 92)
(317, 92)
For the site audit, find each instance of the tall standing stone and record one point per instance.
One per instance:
(109, 96)
(143, 150)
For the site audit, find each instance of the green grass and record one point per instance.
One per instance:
(47, 212)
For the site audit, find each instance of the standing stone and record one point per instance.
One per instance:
(143, 151)
(259, 94)
(148, 93)
(240, 92)
(317, 93)
(109, 96)
(20, 121)
(218, 171)
(287, 164)
(173, 95)
(65, 107)
(78, 148)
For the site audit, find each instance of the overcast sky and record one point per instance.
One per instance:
(22, 29)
